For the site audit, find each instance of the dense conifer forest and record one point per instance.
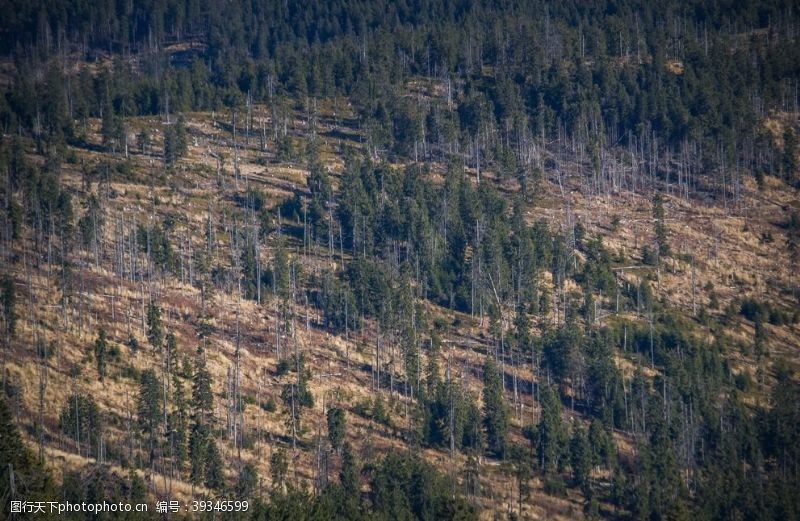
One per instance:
(422, 259)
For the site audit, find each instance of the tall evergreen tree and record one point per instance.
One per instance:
(201, 437)
(149, 409)
(100, 350)
(660, 225)
(22, 478)
(552, 440)
(495, 409)
(178, 423)
(8, 300)
(155, 331)
(336, 427)
(80, 419)
(580, 459)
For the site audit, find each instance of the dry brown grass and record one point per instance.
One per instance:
(732, 258)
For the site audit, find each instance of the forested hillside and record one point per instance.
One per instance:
(401, 260)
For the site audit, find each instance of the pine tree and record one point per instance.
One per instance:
(303, 377)
(137, 490)
(602, 445)
(580, 459)
(201, 438)
(336, 427)
(178, 423)
(789, 158)
(155, 332)
(291, 403)
(21, 478)
(552, 434)
(202, 396)
(100, 349)
(278, 467)
(246, 482)
(666, 486)
(80, 419)
(214, 476)
(198, 443)
(143, 140)
(111, 127)
(8, 299)
(149, 408)
(172, 348)
(175, 142)
(350, 482)
(181, 139)
(660, 226)
(495, 409)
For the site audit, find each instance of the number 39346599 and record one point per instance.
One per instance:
(219, 506)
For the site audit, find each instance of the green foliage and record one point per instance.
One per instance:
(594, 77)
(269, 405)
(202, 396)
(602, 445)
(552, 439)
(282, 367)
(278, 467)
(374, 409)
(111, 128)
(336, 427)
(155, 242)
(91, 223)
(660, 226)
(338, 305)
(406, 487)
(580, 459)
(452, 418)
(495, 410)
(149, 409)
(175, 142)
(171, 350)
(284, 148)
(155, 331)
(246, 482)
(177, 424)
(45, 351)
(22, 479)
(100, 351)
(132, 344)
(762, 312)
(296, 396)
(80, 419)
(214, 467)
(8, 297)
(562, 348)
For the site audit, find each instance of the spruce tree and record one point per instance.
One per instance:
(350, 482)
(201, 437)
(149, 409)
(80, 419)
(172, 348)
(495, 409)
(155, 332)
(214, 468)
(336, 427)
(8, 299)
(552, 434)
(100, 349)
(246, 482)
(178, 423)
(21, 478)
(278, 467)
(580, 459)
(660, 226)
